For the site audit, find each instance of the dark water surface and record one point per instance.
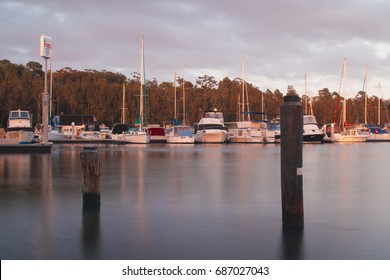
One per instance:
(195, 202)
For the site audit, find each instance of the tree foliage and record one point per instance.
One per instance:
(100, 93)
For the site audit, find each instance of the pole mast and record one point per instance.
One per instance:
(345, 99)
(141, 94)
(365, 94)
(123, 103)
(184, 100)
(174, 99)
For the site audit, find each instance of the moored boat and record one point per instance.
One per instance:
(157, 133)
(311, 132)
(352, 134)
(136, 137)
(180, 134)
(251, 132)
(246, 130)
(139, 135)
(118, 130)
(377, 134)
(211, 128)
(91, 131)
(19, 129)
(331, 132)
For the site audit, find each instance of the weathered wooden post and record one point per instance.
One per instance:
(91, 176)
(291, 144)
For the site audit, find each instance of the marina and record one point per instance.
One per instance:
(162, 201)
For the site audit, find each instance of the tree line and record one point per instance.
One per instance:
(100, 93)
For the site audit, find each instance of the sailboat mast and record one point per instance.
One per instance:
(379, 111)
(305, 96)
(345, 100)
(141, 95)
(174, 98)
(242, 116)
(184, 100)
(245, 99)
(379, 106)
(365, 94)
(262, 106)
(123, 104)
(51, 89)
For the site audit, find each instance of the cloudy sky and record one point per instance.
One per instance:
(281, 40)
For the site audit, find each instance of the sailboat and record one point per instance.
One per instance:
(377, 134)
(247, 131)
(139, 135)
(350, 132)
(180, 133)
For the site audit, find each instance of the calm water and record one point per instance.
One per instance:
(195, 202)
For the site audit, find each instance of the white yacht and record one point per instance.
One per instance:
(211, 128)
(136, 137)
(352, 134)
(19, 129)
(251, 132)
(333, 133)
(180, 134)
(311, 132)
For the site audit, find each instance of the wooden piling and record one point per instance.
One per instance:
(91, 176)
(291, 146)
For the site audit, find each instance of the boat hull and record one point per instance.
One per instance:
(137, 138)
(20, 136)
(313, 138)
(180, 140)
(91, 135)
(251, 136)
(350, 138)
(384, 137)
(211, 136)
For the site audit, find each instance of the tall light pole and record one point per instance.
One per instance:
(46, 51)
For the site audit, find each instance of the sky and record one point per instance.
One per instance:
(281, 40)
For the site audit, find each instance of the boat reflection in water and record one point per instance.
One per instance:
(163, 201)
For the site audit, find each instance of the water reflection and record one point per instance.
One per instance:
(194, 202)
(292, 243)
(91, 232)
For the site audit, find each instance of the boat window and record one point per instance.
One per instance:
(185, 128)
(14, 115)
(24, 114)
(215, 115)
(309, 119)
(212, 126)
(184, 133)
